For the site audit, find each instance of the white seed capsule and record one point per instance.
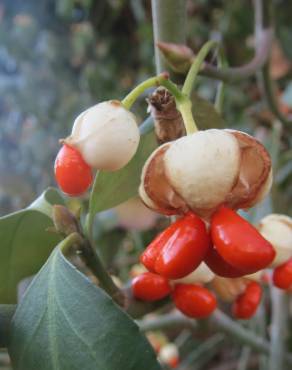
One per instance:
(277, 229)
(106, 135)
(201, 275)
(203, 168)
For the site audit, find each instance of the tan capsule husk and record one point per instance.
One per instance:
(229, 289)
(205, 170)
(168, 122)
(201, 275)
(106, 135)
(155, 189)
(255, 173)
(277, 229)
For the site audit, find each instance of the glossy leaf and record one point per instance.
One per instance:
(113, 188)
(25, 244)
(66, 323)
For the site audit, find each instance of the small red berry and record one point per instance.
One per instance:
(150, 254)
(247, 303)
(150, 287)
(179, 249)
(73, 174)
(282, 275)
(194, 300)
(239, 243)
(219, 266)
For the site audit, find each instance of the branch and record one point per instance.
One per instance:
(180, 57)
(169, 25)
(278, 328)
(264, 19)
(218, 320)
(235, 74)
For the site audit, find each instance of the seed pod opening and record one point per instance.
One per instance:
(255, 172)
(155, 189)
(205, 170)
(106, 135)
(277, 229)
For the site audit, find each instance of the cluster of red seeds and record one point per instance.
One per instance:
(231, 248)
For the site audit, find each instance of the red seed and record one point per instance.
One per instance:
(73, 174)
(150, 287)
(194, 300)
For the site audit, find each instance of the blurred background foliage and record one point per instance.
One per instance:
(57, 57)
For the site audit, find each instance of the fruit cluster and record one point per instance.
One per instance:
(104, 137)
(177, 259)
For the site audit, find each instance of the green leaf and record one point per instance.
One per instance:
(25, 244)
(113, 188)
(205, 114)
(66, 323)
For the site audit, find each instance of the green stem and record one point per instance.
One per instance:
(91, 214)
(185, 108)
(219, 100)
(74, 239)
(160, 80)
(196, 66)
(169, 25)
(91, 259)
(183, 103)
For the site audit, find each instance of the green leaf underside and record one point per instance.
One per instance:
(24, 243)
(113, 188)
(205, 114)
(65, 323)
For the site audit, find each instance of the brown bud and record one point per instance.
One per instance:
(179, 57)
(64, 221)
(168, 122)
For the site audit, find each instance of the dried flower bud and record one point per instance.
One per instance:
(168, 122)
(179, 57)
(277, 229)
(205, 170)
(201, 275)
(106, 135)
